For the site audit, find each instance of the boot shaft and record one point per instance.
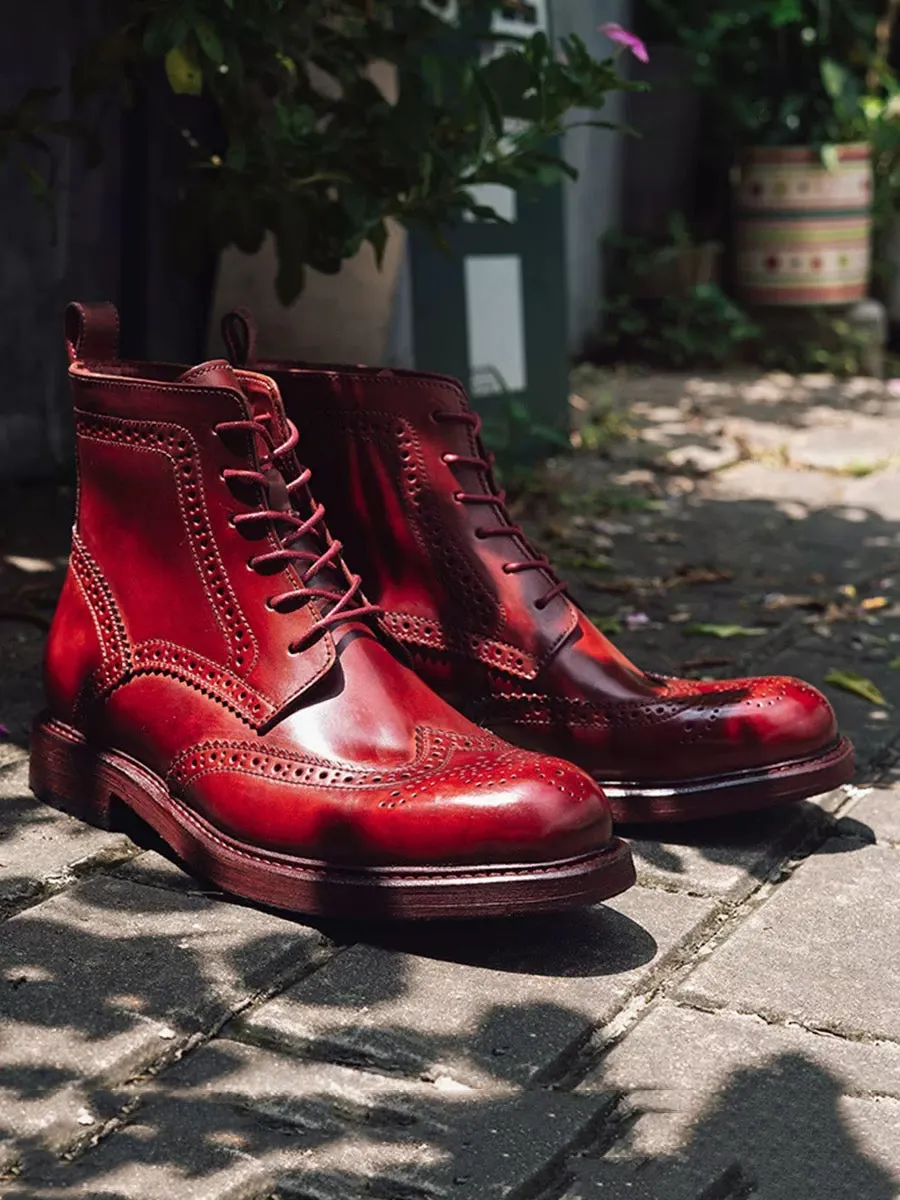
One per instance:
(175, 468)
(411, 494)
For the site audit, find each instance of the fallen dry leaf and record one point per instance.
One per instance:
(775, 601)
(688, 576)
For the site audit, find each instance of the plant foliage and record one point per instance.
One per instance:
(310, 149)
(788, 72)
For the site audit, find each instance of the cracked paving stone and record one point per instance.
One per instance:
(722, 1105)
(39, 845)
(823, 950)
(108, 977)
(485, 1000)
(234, 1120)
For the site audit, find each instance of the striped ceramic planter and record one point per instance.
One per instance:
(802, 230)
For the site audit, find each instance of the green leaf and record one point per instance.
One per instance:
(724, 631)
(183, 72)
(377, 239)
(608, 625)
(834, 77)
(786, 12)
(829, 155)
(586, 562)
(491, 103)
(293, 251)
(858, 685)
(291, 275)
(894, 664)
(209, 41)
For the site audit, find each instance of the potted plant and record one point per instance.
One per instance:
(284, 131)
(791, 82)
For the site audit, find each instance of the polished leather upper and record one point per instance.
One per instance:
(402, 470)
(282, 725)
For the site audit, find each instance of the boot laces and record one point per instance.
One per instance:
(346, 598)
(496, 497)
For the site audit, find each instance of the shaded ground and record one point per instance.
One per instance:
(728, 1029)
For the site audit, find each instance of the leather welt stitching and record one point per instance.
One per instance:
(177, 444)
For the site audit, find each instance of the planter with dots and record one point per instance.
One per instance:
(802, 233)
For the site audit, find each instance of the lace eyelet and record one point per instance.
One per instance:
(269, 605)
(457, 497)
(479, 533)
(251, 563)
(436, 414)
(540, 605)
(505, 569)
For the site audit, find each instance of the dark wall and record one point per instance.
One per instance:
(110, 243)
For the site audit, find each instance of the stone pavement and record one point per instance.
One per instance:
(728, 1029)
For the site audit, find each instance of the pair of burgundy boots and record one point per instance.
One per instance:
(294, 731)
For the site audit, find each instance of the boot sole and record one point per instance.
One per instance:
(737, 792)
(85, 781)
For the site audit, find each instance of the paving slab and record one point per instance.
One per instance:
(40, 847)
(108, 977)
(721, 1105)
(728, 857)
(859, 443)
(154, 869)
(480, 1002)
(877, 811)
(238, 1121)
(823, 950)
(879, 492)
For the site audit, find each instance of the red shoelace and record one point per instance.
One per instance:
(494, 496)
(345, 598)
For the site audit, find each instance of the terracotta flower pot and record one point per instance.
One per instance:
(803, 230)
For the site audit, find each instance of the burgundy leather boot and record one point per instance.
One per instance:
(213, 666)
(488, 623)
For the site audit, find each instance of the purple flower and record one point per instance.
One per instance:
(630, 41)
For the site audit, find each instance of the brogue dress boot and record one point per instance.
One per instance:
(213, 666)
(488, 623)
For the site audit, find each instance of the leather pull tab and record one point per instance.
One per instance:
(92, 331)
(239, 336)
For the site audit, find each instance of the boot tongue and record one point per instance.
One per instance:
(215, 373)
